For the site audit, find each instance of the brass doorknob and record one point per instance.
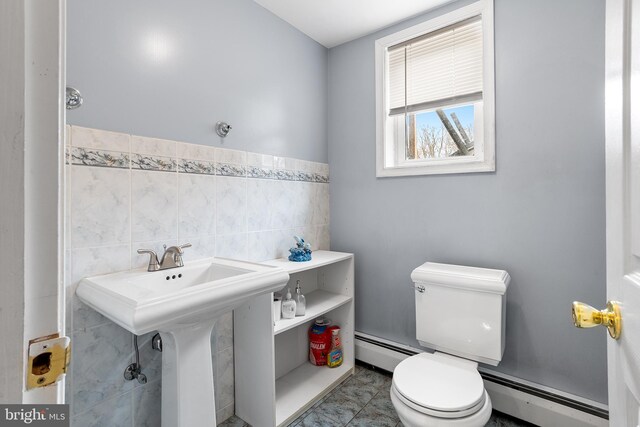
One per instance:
(585, 316)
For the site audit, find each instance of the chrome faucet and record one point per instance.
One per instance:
(171, 258)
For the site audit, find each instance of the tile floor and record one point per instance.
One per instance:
(363, 401)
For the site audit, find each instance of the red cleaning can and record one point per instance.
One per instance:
(319, 342)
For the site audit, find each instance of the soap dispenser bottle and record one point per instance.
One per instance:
(301, 303)
(288, 306)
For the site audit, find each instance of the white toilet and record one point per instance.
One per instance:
(460, 313)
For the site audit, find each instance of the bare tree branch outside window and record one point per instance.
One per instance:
(436, 142)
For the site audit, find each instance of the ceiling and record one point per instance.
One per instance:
(333, 22)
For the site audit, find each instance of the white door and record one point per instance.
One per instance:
(31, 227)
(622, 114)
(622, 109)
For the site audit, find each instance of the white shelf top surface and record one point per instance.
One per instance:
(318, 259)
(319, 302)
(304, 384)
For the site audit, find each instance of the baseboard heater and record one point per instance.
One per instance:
(534, 403)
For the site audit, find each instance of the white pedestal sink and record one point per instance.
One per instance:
(182, 304)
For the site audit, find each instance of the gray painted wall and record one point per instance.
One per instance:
(225, 60)
(541, 215)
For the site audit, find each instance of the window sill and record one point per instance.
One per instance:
(437, 168)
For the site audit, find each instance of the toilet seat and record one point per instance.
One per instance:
(439, 414)
(413, 418)
(439, 385)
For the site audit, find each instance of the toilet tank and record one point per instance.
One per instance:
(461, 310)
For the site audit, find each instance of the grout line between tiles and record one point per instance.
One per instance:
(103, 401)
(177, 199)
(130, 206)
(133, 408)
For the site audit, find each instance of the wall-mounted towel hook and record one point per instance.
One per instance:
(223, 129)
(74, 98)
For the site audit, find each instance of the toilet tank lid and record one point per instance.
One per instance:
(458, 276)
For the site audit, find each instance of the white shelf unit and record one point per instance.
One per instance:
(318, 303)
(275, 382)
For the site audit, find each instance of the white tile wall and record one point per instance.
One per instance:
(259, 204)
(99, 139)
(154, 207)
(100, 206)
(116, 207)
(225, 155)
(231, 205)
(196, 206)
(196, 152)
(153, 146)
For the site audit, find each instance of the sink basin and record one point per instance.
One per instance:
(142, 301)
(182, 304)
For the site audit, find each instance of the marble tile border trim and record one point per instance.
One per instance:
(91, 157)
(261, 173)
(229, 169)
(89, 151)
(202, 167)
(153, 163)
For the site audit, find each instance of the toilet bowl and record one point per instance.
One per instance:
(460, 313)
(439, 390)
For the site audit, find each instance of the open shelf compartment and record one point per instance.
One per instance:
(299, 389)
(319, 302)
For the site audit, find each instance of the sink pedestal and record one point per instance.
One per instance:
(183, 306)
(188, 397)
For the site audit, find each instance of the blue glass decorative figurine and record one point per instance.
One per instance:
(301, 252)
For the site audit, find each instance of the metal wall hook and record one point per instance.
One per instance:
(74, 98)
(223, 129)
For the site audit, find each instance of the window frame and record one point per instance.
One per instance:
(388, 160)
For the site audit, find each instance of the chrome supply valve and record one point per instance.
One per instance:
(134, 371)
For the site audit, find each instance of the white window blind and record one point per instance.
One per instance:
(437, 69)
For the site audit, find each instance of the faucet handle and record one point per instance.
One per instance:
(173, 256)
(179, 253)
(153, 259)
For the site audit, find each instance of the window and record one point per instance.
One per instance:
(435, 95)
